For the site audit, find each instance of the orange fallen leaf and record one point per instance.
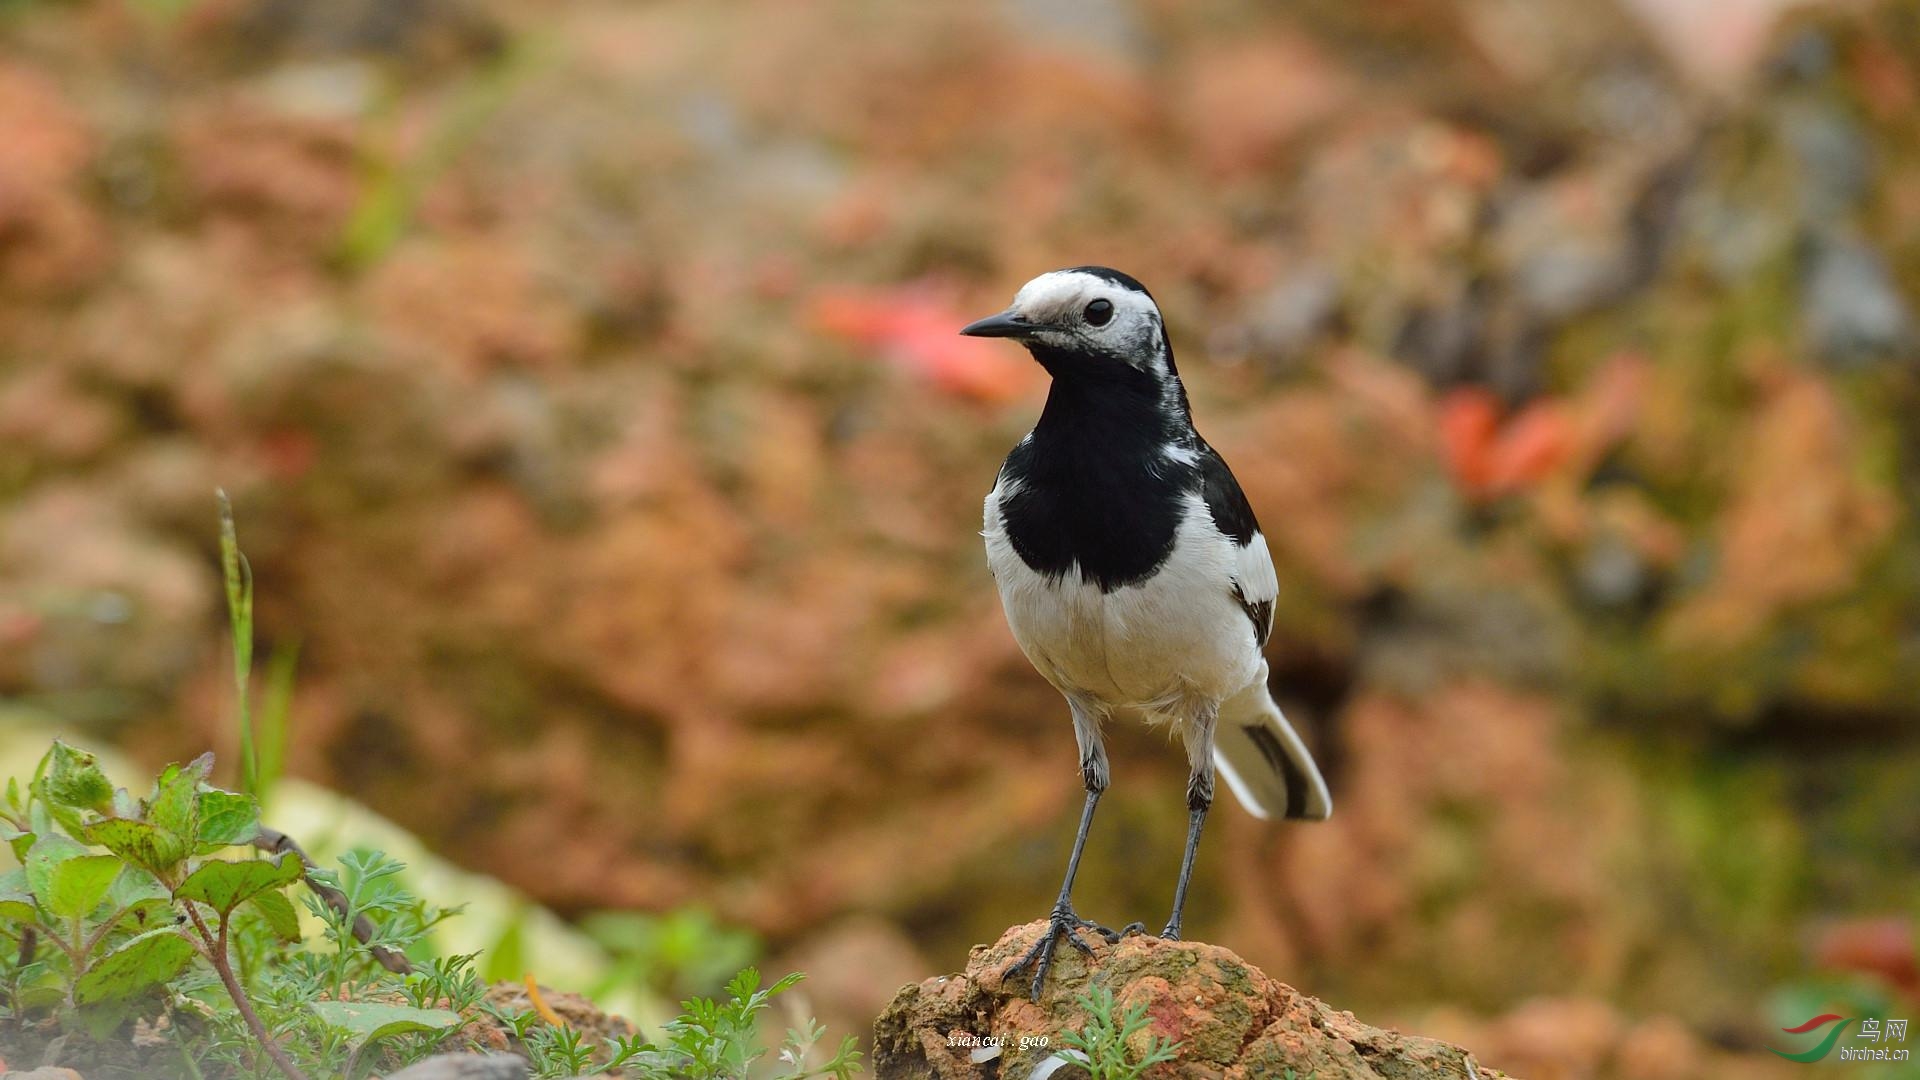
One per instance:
(540, 1004)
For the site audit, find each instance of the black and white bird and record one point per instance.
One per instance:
(1131, 568)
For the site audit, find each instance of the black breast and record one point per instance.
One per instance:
(1092, 487)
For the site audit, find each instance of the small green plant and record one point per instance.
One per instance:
(1102, 1045)
(448, 982)
(120, 923)
(559, 1052)
(714, 1039)
(363, 910)
(117, 898)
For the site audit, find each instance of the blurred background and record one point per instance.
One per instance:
(584, 377)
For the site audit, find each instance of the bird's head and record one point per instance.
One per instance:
(1078, 319)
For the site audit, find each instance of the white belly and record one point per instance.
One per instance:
(1178, 635)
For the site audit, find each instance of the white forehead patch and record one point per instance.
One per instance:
(1059, 295)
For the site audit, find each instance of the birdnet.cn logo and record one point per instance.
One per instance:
(1874, 1033)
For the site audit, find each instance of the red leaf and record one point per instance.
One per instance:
(1532, 446)
(914, 330)
(1883, 947)
(1469, 419)
(1487, 457)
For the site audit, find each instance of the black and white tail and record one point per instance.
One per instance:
(1263, 760)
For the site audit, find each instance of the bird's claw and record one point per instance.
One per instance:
(1131, 929)
(1171, 933)
(1060, 926)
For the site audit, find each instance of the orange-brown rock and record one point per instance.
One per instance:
(1230, 1021)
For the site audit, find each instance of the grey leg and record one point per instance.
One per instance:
(1062, 922)
(1199, 738)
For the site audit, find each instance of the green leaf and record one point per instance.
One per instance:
(159, 850)
(371, 1021)
(145, 961)
(136, 893)
(281, 918)
(40, 998)
(102, 1019)
(18, 839)
(222, 886)
(175, 795)
(137, 886)
(78, 885)
(16, 900)
(48, 852)
(73, 779)
(39, 822)
(69, 784)
(226, 818)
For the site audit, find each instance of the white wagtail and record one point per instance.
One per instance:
(1132, 570)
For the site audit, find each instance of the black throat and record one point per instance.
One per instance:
(1092, 486)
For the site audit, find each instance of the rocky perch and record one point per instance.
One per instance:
(1232, 1022)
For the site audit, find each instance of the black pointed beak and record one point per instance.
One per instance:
(1006, 324)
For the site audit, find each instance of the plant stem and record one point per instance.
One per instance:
(33, 934)
(100, 932)
(275, 842)
(217, 955)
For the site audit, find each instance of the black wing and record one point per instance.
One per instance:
(1254, 583)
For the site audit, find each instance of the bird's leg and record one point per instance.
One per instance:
(1196, 817)
(1063, 921)
(1199, 801)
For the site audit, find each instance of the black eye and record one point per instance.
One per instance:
(1099, 312)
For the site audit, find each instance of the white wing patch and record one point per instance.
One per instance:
(1253, 572)
(1255, 585)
